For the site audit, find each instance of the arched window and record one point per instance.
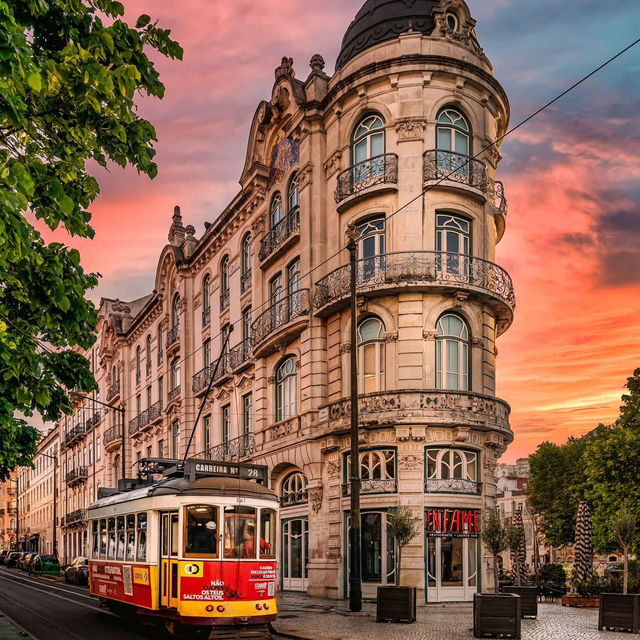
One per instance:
(206, 298)
(159, 345)
(175, 373)
(452, 470)
(294, 489)
(453, 239)
(175, 311)
(224, 284)
(453, 132)
(286, 389)
(245, 277)
(452, 353)
(377, 471)
(138, 363)
(371, 356)
(294, 202)
(371, 247)
(206, 352)
(367, 140)
(277, 210)
(148, 354)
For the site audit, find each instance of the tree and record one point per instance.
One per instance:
(495, 538)
(624, 529)
(516, 542)
(69, 73)
(404, 528)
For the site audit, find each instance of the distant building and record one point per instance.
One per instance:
(8, 512)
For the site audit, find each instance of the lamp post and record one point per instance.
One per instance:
(355, 557)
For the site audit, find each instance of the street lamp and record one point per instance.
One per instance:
(355, 557)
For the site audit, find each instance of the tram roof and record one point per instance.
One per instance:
(207, 486)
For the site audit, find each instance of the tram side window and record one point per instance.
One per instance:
(142, 537)
(239, 532)
(201, 523)
(131, 537)
(111, 532)
(121, 536)
(95, 540)
(267, 534)
(103, 539)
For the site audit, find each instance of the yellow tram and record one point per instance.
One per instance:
(195, 550)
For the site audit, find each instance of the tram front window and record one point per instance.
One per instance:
(239, 532)
(201, 531)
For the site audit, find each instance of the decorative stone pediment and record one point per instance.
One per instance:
(410, 129)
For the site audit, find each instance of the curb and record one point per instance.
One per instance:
(8, 623)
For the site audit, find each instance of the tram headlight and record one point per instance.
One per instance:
(220, 608)
(209, 608)
(259, 606)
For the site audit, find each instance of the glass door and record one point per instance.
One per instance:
(295, 554)
(169, 565)
(371, 248)
(453, 242)
(451, 567)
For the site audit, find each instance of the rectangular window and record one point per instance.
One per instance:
(267, 534)
(207, 432)
(121, 538)
(91, 453)
(131, 537)
(247, 414)
(161, 391)
(160, 448)
(149, 452)
(95, 544)
(142, 537)
(111, 533)
(201, 531)
(226, 423)
(240, 532)
(175, 439)
(148, 397)
(98, 449)
(103, 539)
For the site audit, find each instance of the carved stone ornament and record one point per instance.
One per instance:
(305, 176)
(271, 379)
(477, 341)
(391, 336)
(410, 462)
(333, 467)
(429, 335)
(317, 64)
(345, 347)
(315, 498)
(410, 130)
(258, 225)
(333, 164)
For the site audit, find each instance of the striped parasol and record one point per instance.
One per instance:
(519, 554)
(584, 550)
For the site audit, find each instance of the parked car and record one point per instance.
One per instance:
(45, 564)
(11, 559)
(26, 561)
(20, 558)
(3, 555)
(78, 571)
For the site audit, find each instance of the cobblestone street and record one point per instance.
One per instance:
(318, 619)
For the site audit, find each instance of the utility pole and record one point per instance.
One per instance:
(355, 556)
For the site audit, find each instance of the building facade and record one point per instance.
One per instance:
(260, 304)
(8, 512)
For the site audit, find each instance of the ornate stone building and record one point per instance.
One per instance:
(412, 101)
(8, 512)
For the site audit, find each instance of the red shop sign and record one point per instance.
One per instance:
(464, 522)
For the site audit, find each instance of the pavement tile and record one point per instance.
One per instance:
(320, 619)
(8, 631)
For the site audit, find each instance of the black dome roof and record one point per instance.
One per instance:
(383, 20)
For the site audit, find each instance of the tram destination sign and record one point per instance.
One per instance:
(453, 522)
(199, 468)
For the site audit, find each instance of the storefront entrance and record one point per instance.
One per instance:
(451, 550)
(295, 554)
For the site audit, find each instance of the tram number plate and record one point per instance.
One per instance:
(240, 500)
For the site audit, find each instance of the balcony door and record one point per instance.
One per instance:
(295, 554)
(371, 248)
(367, 143)
(453, 242)
(276, 293)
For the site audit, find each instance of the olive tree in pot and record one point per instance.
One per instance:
(398, 604)
(621, 610)
(495, 614)
(516, 543)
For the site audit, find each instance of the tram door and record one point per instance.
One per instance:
(169, 567)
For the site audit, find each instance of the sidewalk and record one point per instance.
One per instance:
(317, 619)
(8, 631)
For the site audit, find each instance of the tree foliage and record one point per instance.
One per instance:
(495, 537)
(404, 527)
(69, 74)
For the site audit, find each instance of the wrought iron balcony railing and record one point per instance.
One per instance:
(201, 379)
(240, 354)
(113, 391)
(295, 497)
(382, 169)
(172, 335)
(138, 423)
(230, 451)
(225, 300)
(206, 316)
(113, 435)
(452, 485)
(495, 192)
(77, 475)
(80, 515)
(173, 394)
(388, 485)
(75, 434)
(279, 234)
(280, 313)
(439, 164)
(245, 281)
(422, 267)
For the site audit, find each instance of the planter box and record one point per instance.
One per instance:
(580, 601)
(396, 604)
(496, 615)
(528, 600)
(619, 612)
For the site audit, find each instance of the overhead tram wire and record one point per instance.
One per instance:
(439, 181)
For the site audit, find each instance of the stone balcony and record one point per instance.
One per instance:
(281, 322)
(146, 419)
(368, 486)
(454, 409)
(77, 475)
(75, 435)
(75, 517)
(114, 391)
(201, 379)
(173, 337)
(454, 170)
(112, 438)
(425, 271)
(452, 485)
(279, 237)
(372, 176)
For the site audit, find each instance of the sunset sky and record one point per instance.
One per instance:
(572, 177)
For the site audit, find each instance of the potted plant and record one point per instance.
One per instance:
(621, 610)
(398, 604)
(517, 545)
(495, 614)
